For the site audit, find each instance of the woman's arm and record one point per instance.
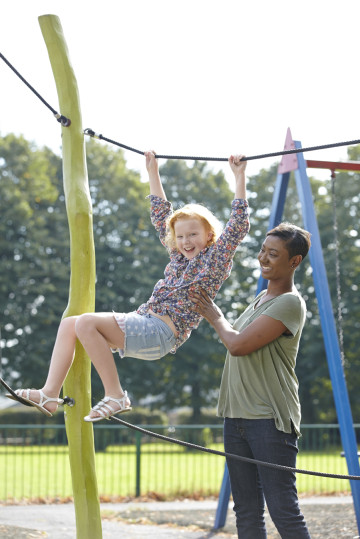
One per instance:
(152, 167)
(259, 333)
(238, 167)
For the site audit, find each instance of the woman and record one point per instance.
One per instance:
(259, 389)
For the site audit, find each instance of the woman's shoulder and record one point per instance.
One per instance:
(291, 298)
(291, 303)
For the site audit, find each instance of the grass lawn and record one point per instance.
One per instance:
(43, 471)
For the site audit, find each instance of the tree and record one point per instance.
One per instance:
(34, 244)
(32, 235)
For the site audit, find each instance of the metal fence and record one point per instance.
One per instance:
(34, 462)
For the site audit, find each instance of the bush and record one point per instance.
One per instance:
(207, 417)
(144, 416)
(138, 416)
(22, 415)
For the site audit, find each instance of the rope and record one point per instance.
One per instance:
(92, 133)
(337, 271)
(65, 122)
(230, 455)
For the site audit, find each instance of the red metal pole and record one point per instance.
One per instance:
(334, 165)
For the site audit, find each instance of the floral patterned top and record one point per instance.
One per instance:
(207, 270)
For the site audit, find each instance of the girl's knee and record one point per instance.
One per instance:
(84, 323)
(68, 324)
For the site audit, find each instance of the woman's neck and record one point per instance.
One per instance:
(276, 288)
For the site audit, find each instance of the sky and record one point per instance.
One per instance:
(191, 77)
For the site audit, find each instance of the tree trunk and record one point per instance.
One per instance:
(82, 281)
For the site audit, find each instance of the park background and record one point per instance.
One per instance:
(190, 78)
(130, 259)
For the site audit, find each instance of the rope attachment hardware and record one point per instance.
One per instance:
(91, 133)
(65, 122)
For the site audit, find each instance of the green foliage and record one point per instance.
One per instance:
(34, 254)
(144, 416)
(207, 417)
(21, 415)
(33, 249)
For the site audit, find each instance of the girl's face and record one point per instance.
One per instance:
(191, 236)
(274, 258)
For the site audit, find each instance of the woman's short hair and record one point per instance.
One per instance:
(190, 211)
(297, 240)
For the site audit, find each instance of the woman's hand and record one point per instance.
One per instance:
(262, 331)
(205, 306)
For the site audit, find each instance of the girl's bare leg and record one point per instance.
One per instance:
(98, 332)
(61, 360)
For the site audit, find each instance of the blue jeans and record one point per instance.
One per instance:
(251, 484)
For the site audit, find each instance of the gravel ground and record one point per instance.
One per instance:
(326, 518)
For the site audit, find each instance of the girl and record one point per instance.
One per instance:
(199, 257)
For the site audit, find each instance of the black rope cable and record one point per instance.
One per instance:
(60, 118)
(230, 455)
(65, 122)
(92, 133)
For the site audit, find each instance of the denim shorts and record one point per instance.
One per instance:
(146, 336)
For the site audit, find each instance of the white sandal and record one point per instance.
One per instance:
(105, 410)
(44, 399)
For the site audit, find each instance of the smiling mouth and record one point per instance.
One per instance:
(265, 268)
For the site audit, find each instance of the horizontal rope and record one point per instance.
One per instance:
(230, 455)
(65, 122)
(92, 133)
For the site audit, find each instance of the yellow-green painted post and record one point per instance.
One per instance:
(82, 281)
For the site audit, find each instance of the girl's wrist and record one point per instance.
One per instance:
(239, 176)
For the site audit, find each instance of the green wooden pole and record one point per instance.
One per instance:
(82, 281)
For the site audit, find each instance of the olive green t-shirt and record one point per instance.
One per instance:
(263, 384)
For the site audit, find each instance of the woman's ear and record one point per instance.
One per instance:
(295, 261)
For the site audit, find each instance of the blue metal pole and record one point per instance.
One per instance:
(329, 331)
(224, 497)
(277, 210)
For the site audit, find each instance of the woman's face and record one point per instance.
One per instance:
(274, 258)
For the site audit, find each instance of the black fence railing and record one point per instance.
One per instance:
(34, 462)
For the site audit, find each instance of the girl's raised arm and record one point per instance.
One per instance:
(238, 167)
(152, 167)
